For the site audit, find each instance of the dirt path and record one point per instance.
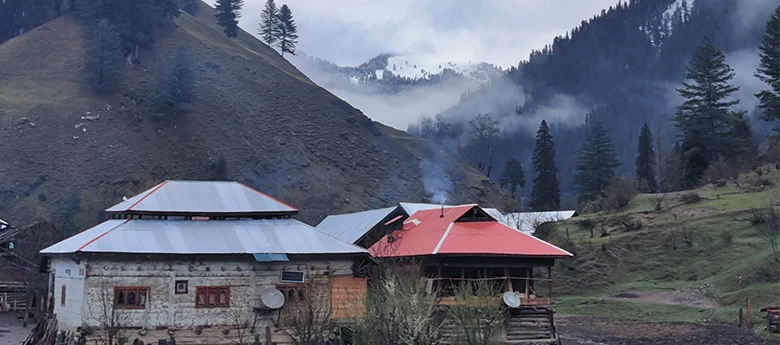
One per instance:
(684, 298)
(575, 330)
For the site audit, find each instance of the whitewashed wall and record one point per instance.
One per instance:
(71, 275)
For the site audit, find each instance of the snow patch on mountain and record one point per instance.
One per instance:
(679, 10)
(405, 67)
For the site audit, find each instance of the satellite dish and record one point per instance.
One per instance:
(272, 298)
(511, 299)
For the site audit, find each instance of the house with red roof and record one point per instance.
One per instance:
(456, 245)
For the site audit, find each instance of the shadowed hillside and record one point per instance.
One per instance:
(277, 131)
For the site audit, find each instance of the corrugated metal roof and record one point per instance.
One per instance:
(3, 224)
(435, 235)
(350, 227)
(205, 197)
(527, 221)
(249, 236)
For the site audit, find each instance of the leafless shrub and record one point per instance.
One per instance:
(239, 319)
(617, 195)
(690, 197)
(477, 313)
(311, 320)
(631, 225)
(687, 236)
(399, 310)
(726, 236)
(658, 201)
(586, 223)
(769, 228)
(105, 324)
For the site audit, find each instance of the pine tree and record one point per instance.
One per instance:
(769, 71)
(705, 119)
(176, 87)
(513, 176)
(228, 12)
(269, 23)
(645, 159)
(595, 165)
(103, 66)
(545, 195)
(287, 31)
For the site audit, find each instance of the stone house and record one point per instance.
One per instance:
(193, 260)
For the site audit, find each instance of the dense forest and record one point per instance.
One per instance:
(619, 69)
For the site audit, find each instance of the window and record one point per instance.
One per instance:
(293, 293)
(181, 287)
(130, 297)
(62, 296)
(212, 296)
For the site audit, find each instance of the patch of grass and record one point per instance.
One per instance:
(726, 261)
(644, 312)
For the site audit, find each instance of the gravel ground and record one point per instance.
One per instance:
(11, 330)
(592, 331)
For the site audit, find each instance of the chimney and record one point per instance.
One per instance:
(442, 211)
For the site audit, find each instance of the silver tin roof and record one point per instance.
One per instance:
(202, 197)
(350, 227)
(248, 236)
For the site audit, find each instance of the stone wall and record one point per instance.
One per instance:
(165, 309)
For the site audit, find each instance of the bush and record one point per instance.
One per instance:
(727, 236)
(617, 195)
(690, 197)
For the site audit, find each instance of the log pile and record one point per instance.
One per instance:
(772, 319)
(45, 333)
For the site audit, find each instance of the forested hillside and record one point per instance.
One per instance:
(620, 69)
(108, 100)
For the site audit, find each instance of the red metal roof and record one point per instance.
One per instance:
(427, 233)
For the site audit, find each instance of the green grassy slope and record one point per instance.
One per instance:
(725, 258)
(278, 131)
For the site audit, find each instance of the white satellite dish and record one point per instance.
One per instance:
(272, 298)
(511, 299)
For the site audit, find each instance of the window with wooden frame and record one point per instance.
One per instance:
(132, 297)
(293, 293)
(212, 297)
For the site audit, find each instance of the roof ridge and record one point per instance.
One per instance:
(154, 189)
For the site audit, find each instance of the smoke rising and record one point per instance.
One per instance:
(435, 180)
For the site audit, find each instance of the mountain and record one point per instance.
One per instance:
(620, 68)
(66, 154)
(388, 73)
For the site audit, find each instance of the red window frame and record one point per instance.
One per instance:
(212, 297)
(131, 297)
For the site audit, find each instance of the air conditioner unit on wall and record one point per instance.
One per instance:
(293, 277)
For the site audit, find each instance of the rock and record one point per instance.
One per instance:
(32, 124)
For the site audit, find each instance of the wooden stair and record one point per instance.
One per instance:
(531, 325)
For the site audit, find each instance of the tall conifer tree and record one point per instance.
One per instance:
(545, 195)
(269, 23)
(287, 31)
(769, 71)
(645, 159)
(228, 12)
(707, 124)
(595, 165)
(103, 66)
(513, 176)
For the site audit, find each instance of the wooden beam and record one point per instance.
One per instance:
(549, 282)
(438, 279)
(508, 280)
(527, 282)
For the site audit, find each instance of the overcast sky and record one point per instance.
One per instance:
(502, 32)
